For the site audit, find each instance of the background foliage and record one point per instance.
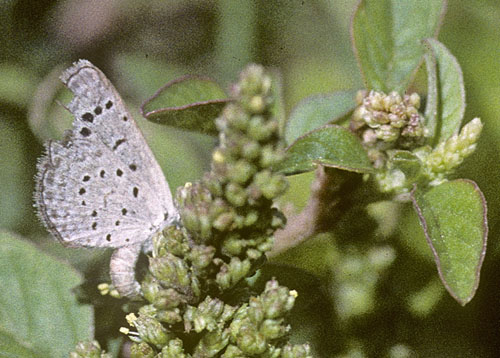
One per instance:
(141, 45)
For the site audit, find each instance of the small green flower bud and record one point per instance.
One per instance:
(399, 110)
(209, 315)
(176, 242)
(251, 218)
(360, 96)
(397, 121)
(256, 104)
(88, 349)
(251, 342)
(266, 245)
(276, 300)
(171, 316)
(360, 113)
(233, 246)
(212, 343)
(414, 100)
(255, 311)
(205, 226)
(369, 137)
(272, 329)
(371, 121)
(151, 331)
(253, 254)
(174, 349)
(296, 351)
(253, 81)
(201, 256)
(235, 194)
(271, 185)
(250, 149)
(189, 218)
(269, 157)
(236, 117)
(393, 180)
(241, 171)
(374, 100)
(232, 352)
(381, 117)
(223, 221)
(172, 271)
(232, 273)
(212, 184)
(150, 288)
(141, 350)
(257, 129)
(387, 133)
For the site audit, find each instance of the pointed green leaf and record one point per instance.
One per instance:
(191, 103)
(387, 37)
(318, 110)
(453, 216)
(331, 146)
(37, 305)
(446, 94)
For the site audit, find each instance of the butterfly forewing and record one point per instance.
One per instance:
(101, 186)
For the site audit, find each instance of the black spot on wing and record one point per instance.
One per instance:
(88, 117)
(85, 132)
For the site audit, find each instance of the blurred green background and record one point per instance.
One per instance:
(347, 304)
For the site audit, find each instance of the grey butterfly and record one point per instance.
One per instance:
(101, 185)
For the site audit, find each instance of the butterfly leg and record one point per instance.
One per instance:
(122, 271)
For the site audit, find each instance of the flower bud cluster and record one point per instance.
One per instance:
(230, 208)
(387, 121)
(228, 223)
(259, 323)
(451, 153)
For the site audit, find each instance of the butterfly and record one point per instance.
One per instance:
(100, 186)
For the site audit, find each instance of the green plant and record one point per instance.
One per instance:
(407, 155)
(377, 153)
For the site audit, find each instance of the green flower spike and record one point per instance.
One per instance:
(452, 152)
(228, 224)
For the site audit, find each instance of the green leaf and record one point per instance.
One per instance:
(318, 110)
(453, 216)
(191, 103)
(446, 94)
(387, 37)
(37, 306)
(331, 146)
(10, 347)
